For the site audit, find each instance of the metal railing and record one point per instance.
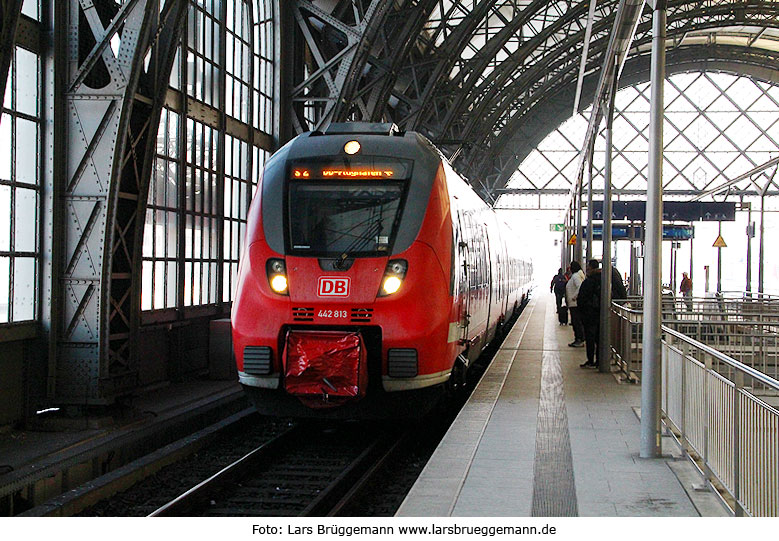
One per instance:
(626, 336)
(718, 408)
(728, 305)
(746, 330)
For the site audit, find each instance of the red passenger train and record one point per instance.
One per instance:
(372, 276)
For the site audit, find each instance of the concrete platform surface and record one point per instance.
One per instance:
(541, 436)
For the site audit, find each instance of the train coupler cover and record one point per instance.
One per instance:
(325, 368)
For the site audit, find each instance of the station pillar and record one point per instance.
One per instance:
(653, 254)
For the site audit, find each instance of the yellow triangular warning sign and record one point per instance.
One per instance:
(572, 240)
(720, 242)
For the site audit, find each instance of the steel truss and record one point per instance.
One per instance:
(472, 75)
(118, 62)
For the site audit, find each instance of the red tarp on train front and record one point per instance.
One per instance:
(325, 368)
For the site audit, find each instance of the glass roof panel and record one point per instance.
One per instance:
(723, 126)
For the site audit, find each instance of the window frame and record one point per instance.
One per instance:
(213, 294)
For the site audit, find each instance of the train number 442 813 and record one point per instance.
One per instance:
(333, 313)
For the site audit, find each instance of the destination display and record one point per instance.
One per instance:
(347, 169)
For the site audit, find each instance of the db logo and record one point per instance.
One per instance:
(333, 287)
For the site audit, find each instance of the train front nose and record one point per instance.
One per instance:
(334, 283)
(327, 351)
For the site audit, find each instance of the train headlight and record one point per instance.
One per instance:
(391, 285)
(279, 283)
(352, 147)
(277, 276)
(393, 277)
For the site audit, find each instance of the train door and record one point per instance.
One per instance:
(491, 281)
(463, 282)
(478, 284)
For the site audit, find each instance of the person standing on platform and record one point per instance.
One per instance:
(685, 288)
(588, 303)
(558, 287)
(618, 290)
(571, 294)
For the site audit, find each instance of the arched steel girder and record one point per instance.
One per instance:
(472, 88)
(355, 59)
(491, 97)
(403, 70)
(404, 75)
(327, 70)
(115, 64)
(557, 71)
(443, 59)
(396, 46)
(554, 109)
(133, 176)
(680, 22)
(462, 99)
(404, 66)
(428, 110)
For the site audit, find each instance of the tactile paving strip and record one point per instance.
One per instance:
(554, 491)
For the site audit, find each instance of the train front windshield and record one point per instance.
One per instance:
(333, 219)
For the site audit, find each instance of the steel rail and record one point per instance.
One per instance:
(189, 499)
(339, 493)
(344, 490)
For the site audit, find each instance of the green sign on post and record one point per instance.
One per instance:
(556, 227)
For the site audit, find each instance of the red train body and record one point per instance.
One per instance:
(369, 280)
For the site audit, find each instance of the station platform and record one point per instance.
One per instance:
(541, 436)
(57, 453)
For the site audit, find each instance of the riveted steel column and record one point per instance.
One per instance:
(604, 340)
(107, 144)
(577, 254)
(760, 259)
(98, 92)
(750, 234)
(589, 203)
(653, 255)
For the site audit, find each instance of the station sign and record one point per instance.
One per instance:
(636, 232)
(673, 211)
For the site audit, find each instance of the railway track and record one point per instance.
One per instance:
(348, 469)
(306, 471)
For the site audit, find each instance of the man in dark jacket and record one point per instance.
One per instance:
(589, 306)
(588, 303)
